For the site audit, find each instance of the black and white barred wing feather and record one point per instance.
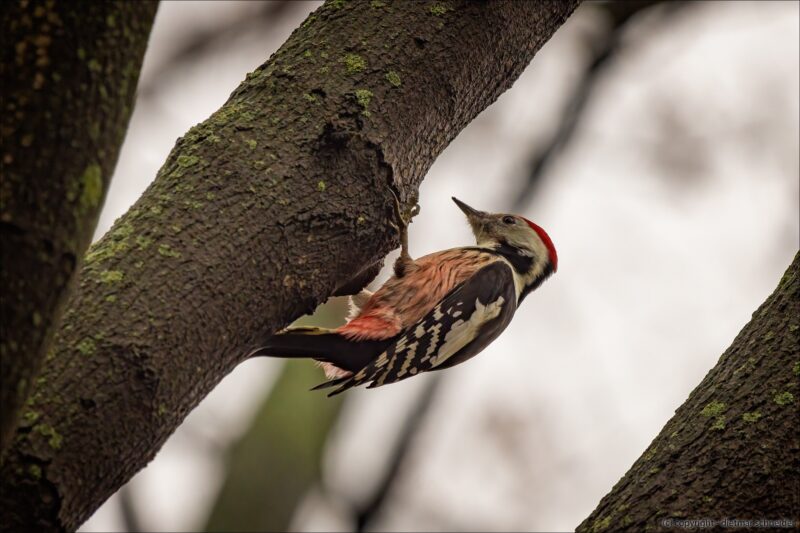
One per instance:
(470, 317)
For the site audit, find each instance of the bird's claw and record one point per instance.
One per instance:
(404, 217)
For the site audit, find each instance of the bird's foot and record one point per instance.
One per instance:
(404, 217)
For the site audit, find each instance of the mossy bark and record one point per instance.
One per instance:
(69, 73)
(732, 450)
(277, 201)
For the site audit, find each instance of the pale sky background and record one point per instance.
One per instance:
(674, 212)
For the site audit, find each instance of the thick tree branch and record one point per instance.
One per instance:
(259, 214)
(69, 73)
(732, 450)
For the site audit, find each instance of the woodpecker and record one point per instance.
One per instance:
(435, 312)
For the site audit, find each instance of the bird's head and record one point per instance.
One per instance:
(512, 234)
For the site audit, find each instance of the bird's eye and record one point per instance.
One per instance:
(508, 220)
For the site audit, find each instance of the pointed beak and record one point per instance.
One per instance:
(478, 220)
(472, 214)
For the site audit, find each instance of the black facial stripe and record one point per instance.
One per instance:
(538, 280)
(521, 263)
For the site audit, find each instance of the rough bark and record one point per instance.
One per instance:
(259, 214)
(69, 73)
(732, 450)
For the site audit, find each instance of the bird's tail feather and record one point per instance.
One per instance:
(330, 383)
(323, 345)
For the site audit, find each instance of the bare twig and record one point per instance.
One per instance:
(205, 41)
(367, 512)
(127, 507)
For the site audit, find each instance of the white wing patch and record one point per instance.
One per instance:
(463, 332)
(412, 351)
(434, 341)
(449, 333)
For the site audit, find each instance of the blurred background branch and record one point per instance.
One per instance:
(129, 510)
(257, 18)
(612, 21)
(371, 509)
(57, 60)
(271, 468)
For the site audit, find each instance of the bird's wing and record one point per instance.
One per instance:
(404, 300)
(471, 316)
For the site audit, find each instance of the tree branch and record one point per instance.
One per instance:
(258, 215)
(369, 511)
(258, 17)
(732, 449)
(604, 52)
(69, 74)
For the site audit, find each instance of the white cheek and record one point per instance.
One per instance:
(540, 250)
(528, 243)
